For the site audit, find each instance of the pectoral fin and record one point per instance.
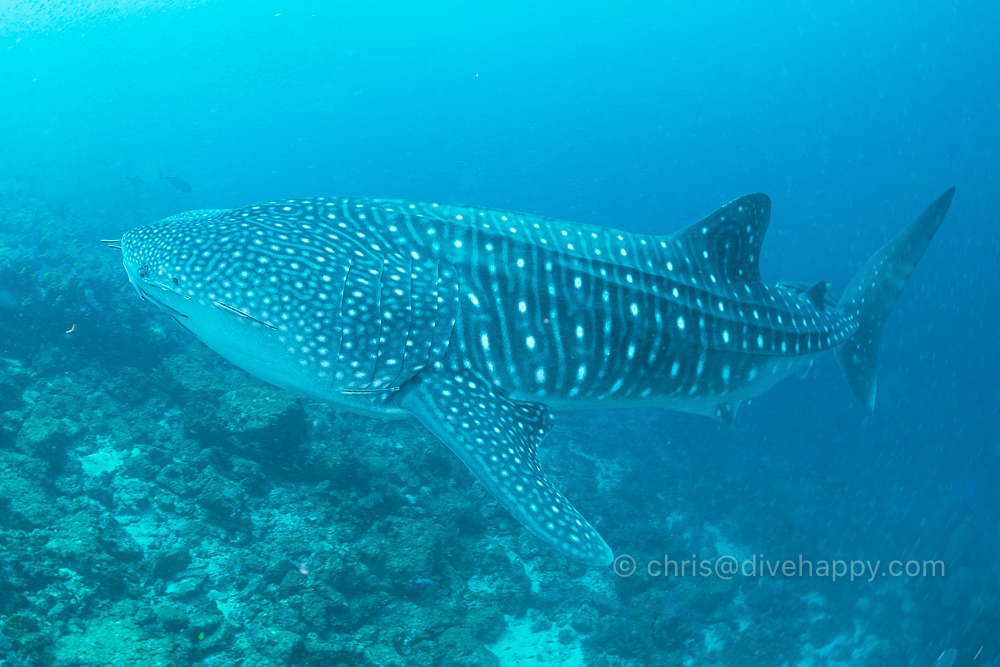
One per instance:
(497, 438)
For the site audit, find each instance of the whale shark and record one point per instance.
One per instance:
(480, 323)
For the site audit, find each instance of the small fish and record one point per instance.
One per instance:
(176, 181)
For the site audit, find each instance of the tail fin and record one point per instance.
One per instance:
(873, 292)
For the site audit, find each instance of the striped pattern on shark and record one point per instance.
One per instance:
(480, 322)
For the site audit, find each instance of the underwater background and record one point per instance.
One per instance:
(160, 507)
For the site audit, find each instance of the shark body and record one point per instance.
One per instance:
(480, 322)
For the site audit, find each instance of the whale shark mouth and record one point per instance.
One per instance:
(146, 295)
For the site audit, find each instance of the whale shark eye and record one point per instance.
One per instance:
(176, 282)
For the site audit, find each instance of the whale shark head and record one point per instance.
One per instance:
(263, 296)
(161, 268)
(292, 297)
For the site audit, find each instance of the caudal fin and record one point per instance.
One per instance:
(873, 291)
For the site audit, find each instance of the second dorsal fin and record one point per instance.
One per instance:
(728, 241)
(817, 293)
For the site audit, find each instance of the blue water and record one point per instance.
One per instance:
(637, 115)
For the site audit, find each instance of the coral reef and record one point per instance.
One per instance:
(160, 507)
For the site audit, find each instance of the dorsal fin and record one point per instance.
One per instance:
(818, 293)
(728, 241)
